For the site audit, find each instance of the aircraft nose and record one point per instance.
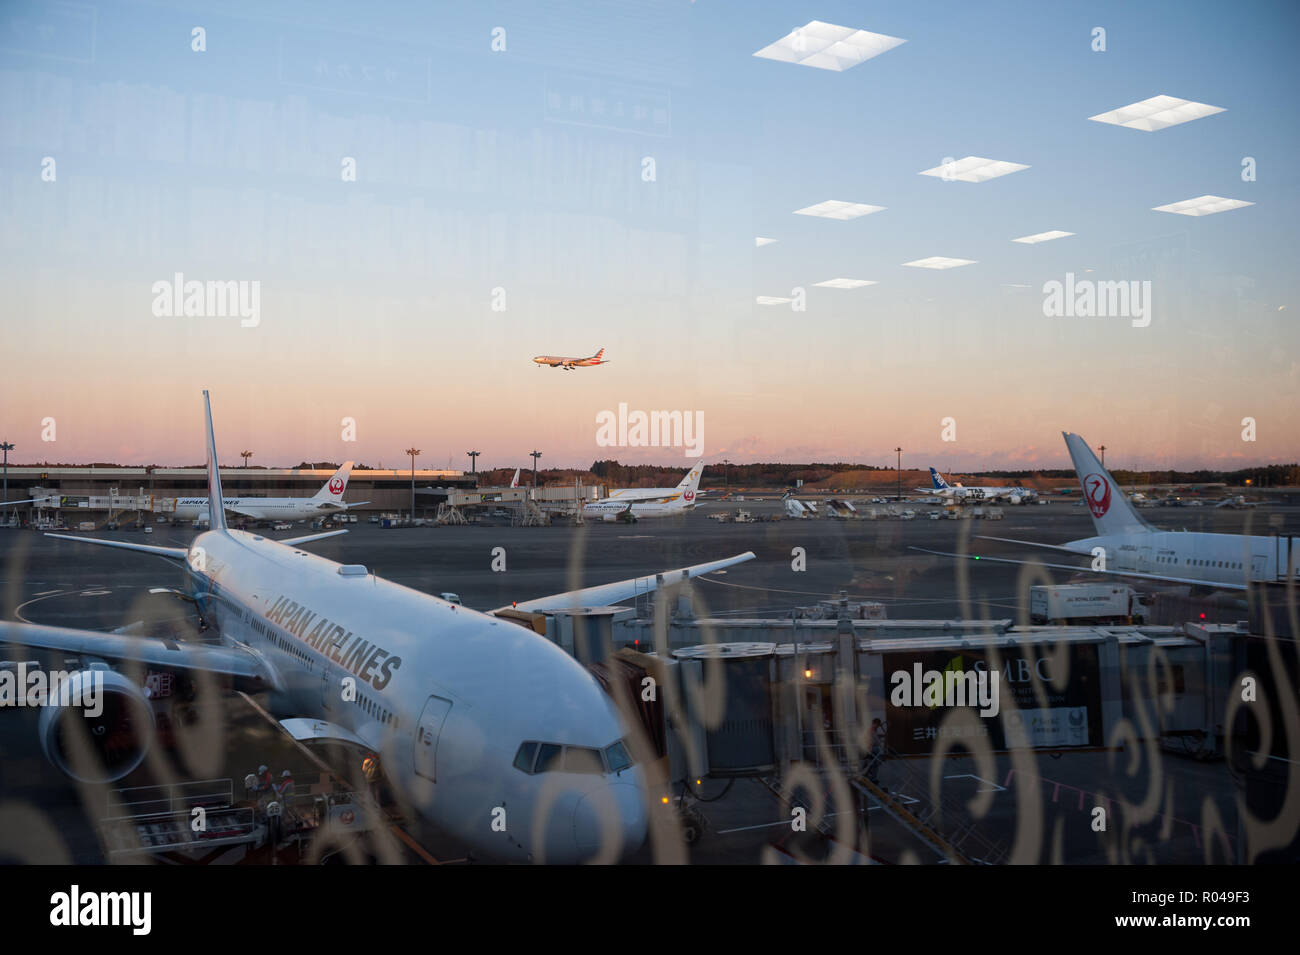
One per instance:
(615, 813)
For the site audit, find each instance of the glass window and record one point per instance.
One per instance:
(548, 758)
(579, 759)
(524, 758)
(617, 757)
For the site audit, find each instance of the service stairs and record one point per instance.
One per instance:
(944, 825)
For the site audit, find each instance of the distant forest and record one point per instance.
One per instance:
(717, 475)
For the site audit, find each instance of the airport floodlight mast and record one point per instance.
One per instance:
(413, 452)
(473, 461)
(1102, 449)
(535, 456)
(6, 447)
(899, 470)
(245, 455)
(726, 476)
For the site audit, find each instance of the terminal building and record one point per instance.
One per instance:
(97, 491)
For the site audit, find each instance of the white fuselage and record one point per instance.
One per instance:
(1233, 559)
(445, 695)
(610, 510)
(1013, 495)
(260, 508)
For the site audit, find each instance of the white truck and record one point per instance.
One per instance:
(1085, 603)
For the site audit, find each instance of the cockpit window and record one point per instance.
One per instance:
(548, 758)
(579, 759)
(524, 758)
(616, 755)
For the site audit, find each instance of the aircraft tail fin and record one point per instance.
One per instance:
(1112, 513)
(599, 355)
(332, 490)
(690, 484)
(216, 508)
(937, 480)
(514, 481)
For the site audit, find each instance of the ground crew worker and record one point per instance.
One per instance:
(264, 782)
(877, 751)
(285, 789)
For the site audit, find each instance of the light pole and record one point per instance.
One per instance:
(6, 447)
(899, 470)
(535, 455)
(726, 477)
(245, 455)
(473, 461)
(1102, 449)
(413, 452)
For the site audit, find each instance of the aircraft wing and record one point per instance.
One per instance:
(291, 541)
(154, 651)
(173, 553)
(605, 594)
(1008, 540)
(1088, 570)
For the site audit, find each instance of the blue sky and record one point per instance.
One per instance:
(481, 169)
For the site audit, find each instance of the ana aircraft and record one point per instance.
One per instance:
(328, 500)
(956, 492)
(557, 361)
(474, 715)
(1127, 546)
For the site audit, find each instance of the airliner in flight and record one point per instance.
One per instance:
(558, 361)
(687, 488)
(487, 729)
(328, 500)
(957, 492)
(1130, 547)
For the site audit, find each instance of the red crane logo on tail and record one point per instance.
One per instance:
(689, 496)
(336, 486)
(1097, 489)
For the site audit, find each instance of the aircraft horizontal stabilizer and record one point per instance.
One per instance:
(1085, 570)
(154, 651)
(173, 553)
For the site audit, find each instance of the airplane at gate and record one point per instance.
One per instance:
(687, 488)
(467, 711)
(557, 361)
(957, 492)
(1127, 546)
(328, 500)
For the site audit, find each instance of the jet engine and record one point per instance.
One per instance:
(96, 727)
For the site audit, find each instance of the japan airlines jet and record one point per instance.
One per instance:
(557, 361)
(1127, 546)
(687, 489)
(960, 494)
(473, 715)
(328, 500)
(617, 509)
(514, 481)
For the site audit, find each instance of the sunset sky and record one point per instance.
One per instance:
(481, 169)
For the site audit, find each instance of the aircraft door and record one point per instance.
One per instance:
(427, 734)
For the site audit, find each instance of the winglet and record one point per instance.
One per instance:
(216, 508)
